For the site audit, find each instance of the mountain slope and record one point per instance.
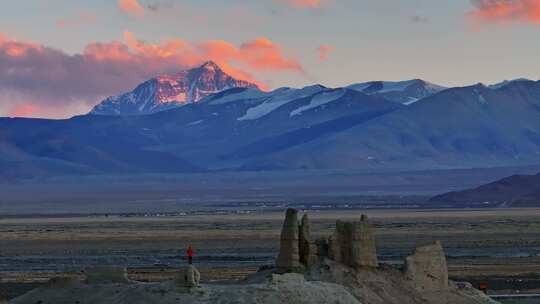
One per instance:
(82, 145)
(216, 134)
(306, 119)
(457, 128)
(171, 91)
(404, 92)
(511, 191)
(207, 135)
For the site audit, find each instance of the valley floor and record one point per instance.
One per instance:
(497, 246)
(155, 193)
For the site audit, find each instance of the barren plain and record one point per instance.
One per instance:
(497, 246)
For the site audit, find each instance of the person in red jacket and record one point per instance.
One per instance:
(190, 254)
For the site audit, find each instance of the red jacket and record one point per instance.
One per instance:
(190, 252)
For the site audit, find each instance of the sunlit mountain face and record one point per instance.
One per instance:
(169, 91)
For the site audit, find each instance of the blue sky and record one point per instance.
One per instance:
(368, 40)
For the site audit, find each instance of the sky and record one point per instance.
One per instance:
(58, 58)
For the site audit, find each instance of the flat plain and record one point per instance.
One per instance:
(499, 246)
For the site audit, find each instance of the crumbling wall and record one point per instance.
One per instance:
(427, 268)
(288, 259)
(363, 247)
(308, 248)
(336, 242)
(353, 244)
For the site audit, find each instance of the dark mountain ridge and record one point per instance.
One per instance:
(516, 190)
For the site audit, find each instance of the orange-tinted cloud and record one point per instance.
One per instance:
(258, 55)
(59, 84)
(12, 48)
(505, 11)
(22, 110)
(132, 7)
(324, 51)
(264, 54)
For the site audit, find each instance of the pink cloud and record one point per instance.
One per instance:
(324, 51)
(132, 7)
(59, 84)
(506, 11)
(304, 3)
(22, 110)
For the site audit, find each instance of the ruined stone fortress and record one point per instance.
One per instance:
(353, 244)
(341, 269)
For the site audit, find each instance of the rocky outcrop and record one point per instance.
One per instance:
(427, 268)
(288, 259)
(353, 244)
(276, 289)
(382, 285)
(388, 285)
(287, 278)
(106, 275)
(188, 277)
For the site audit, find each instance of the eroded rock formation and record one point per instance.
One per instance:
(427, 268)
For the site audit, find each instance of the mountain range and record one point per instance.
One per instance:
(213, 122)
(166, 92)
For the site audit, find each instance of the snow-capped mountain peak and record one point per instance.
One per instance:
(210, 66)
(279, 98)
(169, 91)
(405, 92)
